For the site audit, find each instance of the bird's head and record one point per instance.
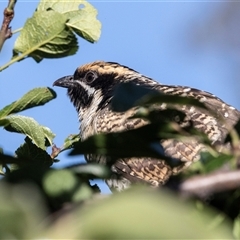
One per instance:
(93, 83)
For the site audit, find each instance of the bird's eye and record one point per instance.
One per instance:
(90, 77)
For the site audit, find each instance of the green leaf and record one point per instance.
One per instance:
(129, 95)
(46, 35)
(156, 115)
(7, 159)
(20, 206)
(29, 127)
(234, 136)
(49, 135)
(157, 214)
(4, 159)
(69, 141)
(141, 142)
(236, 227)
(211, 163)
(92, 169)
(33, 154)
(84, 192)
(59, 182)
(35, 97)
(129, 144)
(81, 17)
(65, 186)
(85, 24)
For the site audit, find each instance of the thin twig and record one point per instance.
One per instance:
(17, 30)
(204, 186)
(8, 15)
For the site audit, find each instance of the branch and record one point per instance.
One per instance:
(203, 186)
(8, 15)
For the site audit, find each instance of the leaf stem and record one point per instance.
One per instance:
(17, 30)
(13, 60)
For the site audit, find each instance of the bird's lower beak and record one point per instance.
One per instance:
(65, 82)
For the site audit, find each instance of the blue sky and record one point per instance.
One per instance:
(175, 42)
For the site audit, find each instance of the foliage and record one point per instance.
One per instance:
(52, 29)
(26, 125)
(62, 203)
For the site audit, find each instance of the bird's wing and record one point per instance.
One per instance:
(223, 112)
(149, 170)
(216, 121)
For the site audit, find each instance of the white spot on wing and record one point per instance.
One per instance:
(192, 109)
(202, 99)
(186, 89)
(163, 105)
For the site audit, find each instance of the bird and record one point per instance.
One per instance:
(91, 89)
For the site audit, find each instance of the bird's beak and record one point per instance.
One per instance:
(65, 82)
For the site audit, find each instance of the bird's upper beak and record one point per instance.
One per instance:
(66, 82)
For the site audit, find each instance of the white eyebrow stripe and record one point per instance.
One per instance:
(89, 89)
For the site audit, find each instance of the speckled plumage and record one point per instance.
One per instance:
(91, 89)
